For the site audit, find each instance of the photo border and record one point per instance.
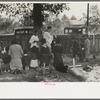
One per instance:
(48, 2)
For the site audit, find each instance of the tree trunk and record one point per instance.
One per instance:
(38, 18)
(39, 31)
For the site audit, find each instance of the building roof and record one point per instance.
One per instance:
(77, 22)
(10, 34)
(74, 27)
(24, 27)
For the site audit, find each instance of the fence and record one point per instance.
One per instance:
(67, 44)
(5, 41)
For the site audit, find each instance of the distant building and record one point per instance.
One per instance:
(76, 26)
(77, 23)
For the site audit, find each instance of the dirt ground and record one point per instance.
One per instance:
(52, 75)
(93, 65)
(31, 76)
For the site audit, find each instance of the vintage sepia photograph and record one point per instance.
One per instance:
(50, 42)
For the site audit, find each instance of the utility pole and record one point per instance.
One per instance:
(87, 18)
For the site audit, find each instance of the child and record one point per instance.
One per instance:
(34, 58)
(44, 51)
(25, 61)
(6, 60)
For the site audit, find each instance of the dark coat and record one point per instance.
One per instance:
(58, 61)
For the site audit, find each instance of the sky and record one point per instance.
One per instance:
(77, 9)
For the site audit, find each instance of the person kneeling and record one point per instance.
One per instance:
(58, 61)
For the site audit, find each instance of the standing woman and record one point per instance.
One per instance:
(16, 53)
(48, 37)
(76, 48)
(34, 41)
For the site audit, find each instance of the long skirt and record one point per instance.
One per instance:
(45, 59)
(58, 63)
(34, 63)
(34, 57)
(34, 53)
(16, 64)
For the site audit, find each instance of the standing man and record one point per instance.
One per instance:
(76, 47)
(81, 52)
(87, 48)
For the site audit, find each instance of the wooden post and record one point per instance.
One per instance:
(87, 18)
(74, 62)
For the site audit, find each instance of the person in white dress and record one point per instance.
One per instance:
(34, 40)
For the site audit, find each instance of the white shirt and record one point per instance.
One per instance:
(48, 37)
(32, 39)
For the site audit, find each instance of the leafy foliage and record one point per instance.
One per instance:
(13, 9)
(26, 20)
(36, 10)
(7, 25)
(58, 25)
(55, 8)
(94, 17)
(35, 13)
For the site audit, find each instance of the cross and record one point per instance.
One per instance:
(73, 66)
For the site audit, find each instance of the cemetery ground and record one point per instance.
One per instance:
(87, 72)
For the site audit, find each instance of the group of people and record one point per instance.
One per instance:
(11, 58)
(81, 48)
(44, 52)
(47, 51)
